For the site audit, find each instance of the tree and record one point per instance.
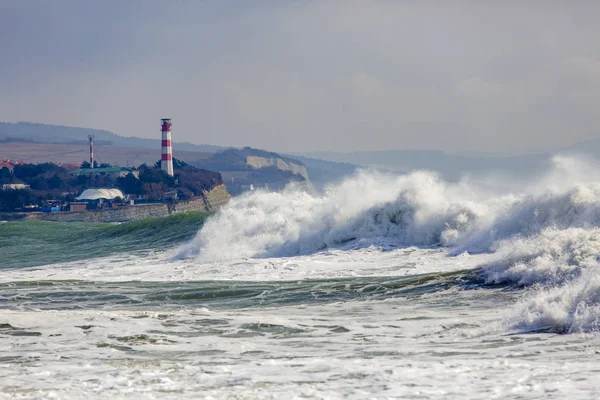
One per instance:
(154, 191)
(6, 176)
(38, 183)
(55, 182)
(107, 180)
(11, 200)
(28, 171)
(84, 180)
(69, 197)
(152, 175)
(86, 164)
(130, 184)
(177, 164)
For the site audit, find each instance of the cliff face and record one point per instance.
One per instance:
(258, 162)
(245, 168)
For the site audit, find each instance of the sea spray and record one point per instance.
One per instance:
(414, 209)
(418, 209)
(552, 257)
(545, 236)
(562, 268)
(573, 307)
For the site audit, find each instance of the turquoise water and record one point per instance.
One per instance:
(45, 246)
(33, 243)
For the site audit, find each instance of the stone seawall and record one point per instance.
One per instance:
(209, 201)
(119, 214)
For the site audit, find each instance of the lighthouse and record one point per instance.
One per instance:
(166, 158)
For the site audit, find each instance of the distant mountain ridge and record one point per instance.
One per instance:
(320, 171)
(322, 167)
(590, 147)
(323, 172)
(42, 133)
(454, 166)
(450, 166)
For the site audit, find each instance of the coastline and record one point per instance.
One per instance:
(208, 201)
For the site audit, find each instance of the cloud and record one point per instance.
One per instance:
(364, 84)
(589, 68)
(481, 89)
(320, 75)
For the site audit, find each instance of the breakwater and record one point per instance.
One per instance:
(208, 201)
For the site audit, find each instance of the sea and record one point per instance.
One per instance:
(381, 286)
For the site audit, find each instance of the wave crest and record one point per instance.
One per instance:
(548, 239)
(373, 209)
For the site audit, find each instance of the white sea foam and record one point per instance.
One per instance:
(542, 241)
(547, 234)
(563, 265)
(570, 308)
(385, 349)
(380, 225)
(555, 256)
(416, 209)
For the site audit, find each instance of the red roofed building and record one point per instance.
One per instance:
(10, 164)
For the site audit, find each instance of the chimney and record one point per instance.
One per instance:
(91, 139)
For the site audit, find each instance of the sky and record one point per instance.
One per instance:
(507, 77)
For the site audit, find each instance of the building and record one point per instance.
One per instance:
(115, 172)
(10, 164)
(16, 186)
(78, 206)
(94, 199)
(166, 157)
(100, 194)
(69, 166)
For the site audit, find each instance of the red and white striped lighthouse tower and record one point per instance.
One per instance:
(166, 158)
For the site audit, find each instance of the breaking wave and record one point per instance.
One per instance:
(545, 236)
(562, 266)
(369, 209)
(418, 209)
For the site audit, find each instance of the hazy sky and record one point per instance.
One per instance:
(497, 76)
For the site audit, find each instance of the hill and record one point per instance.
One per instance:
(38, 143)
(322, 172)
(42, 133)
(247, 167)
(33, 152)
(33, 142)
